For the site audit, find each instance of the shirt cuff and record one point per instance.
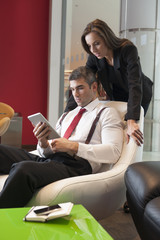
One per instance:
(44, 152)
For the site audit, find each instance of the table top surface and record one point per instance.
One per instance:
(79, 225)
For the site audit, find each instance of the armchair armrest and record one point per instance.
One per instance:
(143, 194)
(143, 178)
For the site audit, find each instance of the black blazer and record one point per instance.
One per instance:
(124, 81)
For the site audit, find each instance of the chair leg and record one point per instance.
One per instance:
(126, 207)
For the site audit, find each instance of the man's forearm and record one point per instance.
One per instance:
(74, 147)
(64, 145)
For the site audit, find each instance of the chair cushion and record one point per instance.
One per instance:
(4, 124)
(6, 111)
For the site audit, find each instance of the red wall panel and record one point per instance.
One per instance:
(24, 37)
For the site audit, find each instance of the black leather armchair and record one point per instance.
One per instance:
(143, 195)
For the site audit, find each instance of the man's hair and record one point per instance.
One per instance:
(83, 72)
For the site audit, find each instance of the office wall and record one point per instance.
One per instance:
(24, 35)
(79, 14)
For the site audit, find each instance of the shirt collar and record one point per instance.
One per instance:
(116, 55)
(92, 105)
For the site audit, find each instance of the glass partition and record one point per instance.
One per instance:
(78, 14)
(144, 31)
(126, 20)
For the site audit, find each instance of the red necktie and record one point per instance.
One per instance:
(74, 123)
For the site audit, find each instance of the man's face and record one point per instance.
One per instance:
(82, 92)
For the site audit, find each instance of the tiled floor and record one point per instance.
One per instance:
(120, 226)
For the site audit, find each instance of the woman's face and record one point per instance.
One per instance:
(97, 45)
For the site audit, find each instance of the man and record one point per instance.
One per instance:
(69, 155)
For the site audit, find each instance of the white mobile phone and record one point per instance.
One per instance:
(38, 117)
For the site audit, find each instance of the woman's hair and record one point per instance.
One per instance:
(83, 72)
(104, 31)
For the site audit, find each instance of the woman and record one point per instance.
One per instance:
(117, 65)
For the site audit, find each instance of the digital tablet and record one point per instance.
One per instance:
(38, 117)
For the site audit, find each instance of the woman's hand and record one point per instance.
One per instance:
(134, 132)
(41, 132)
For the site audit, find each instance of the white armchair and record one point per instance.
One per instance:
(101, 193)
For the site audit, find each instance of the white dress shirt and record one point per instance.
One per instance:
(106, 143)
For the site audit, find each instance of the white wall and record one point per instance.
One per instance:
(138, 14)
(79, 14)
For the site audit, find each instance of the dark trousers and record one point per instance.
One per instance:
(28, 172)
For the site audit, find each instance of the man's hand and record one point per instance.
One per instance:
(41, 132)
(134, 131)
(64, 145)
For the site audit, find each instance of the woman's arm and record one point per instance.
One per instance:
(131, 59)
(134, 131)
(131, 63)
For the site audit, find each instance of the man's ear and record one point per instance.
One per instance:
(95, 86)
